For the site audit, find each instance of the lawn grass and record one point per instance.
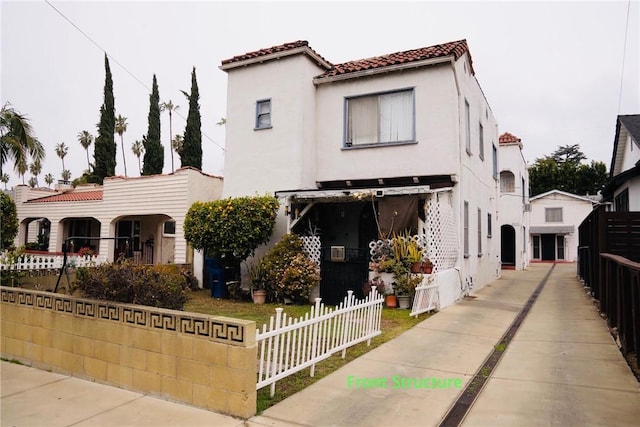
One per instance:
(394, 322)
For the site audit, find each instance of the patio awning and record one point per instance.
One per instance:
(361, 193)
(552, 229)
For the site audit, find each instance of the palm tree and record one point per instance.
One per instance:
(85, 139)
(17, 140)
(61, 151)
(4, 178)
(66, 174)
(21, 168)
(33, 182)
(121, 127)
(48, 178)
(35, 168)
(176, 144)
(168, 106)
(138, 149)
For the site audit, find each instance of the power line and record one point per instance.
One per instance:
(121, 65)
(624, 54)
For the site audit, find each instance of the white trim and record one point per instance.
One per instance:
(564, 193)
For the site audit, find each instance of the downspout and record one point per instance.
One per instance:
(458, 147)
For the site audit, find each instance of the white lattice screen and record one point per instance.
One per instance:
(439, 235)
(312, 247)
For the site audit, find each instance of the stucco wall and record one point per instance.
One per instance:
(209, 362)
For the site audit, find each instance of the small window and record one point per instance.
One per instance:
(169, 228)
(495, 162)
(263, 114)
(466, 229)
(467, 117)
(479, 232)
(489, 225)
(507, 182)
(553, 214)
(481, 141)
(381, 118)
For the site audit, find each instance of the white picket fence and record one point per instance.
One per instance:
(426, 295)
(289, 345)
(42, 262)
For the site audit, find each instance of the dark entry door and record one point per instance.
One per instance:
(338, 277)
(508, 243)
(548, 247)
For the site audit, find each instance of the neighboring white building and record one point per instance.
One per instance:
(514, 207)
(141, 217)
(623, 189)
(555, 217)
(409, 134)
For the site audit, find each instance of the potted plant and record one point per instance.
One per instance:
(427, 266)
(257, 282)
(414, 256)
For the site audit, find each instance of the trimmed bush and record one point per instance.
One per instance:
(162, 286)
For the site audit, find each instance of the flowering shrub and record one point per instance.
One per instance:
(285, 278)
(86, 251)
(299, 277)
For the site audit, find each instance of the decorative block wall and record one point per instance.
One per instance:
(205, 361)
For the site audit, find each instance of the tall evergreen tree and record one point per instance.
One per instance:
(153, 150)
(105, 144)
(191, 154)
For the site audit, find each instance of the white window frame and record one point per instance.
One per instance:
(393, 118)
(164, 228)
(263, 116)
(495, 162)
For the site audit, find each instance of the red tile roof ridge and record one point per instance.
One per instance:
(70, 196)
(273, 50)
(455, 48)
(507, 138)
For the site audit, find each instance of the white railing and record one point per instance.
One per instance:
(426, 296)
(290, 345)
(40, 262)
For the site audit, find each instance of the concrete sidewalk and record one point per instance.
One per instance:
(561, 368)
(32, 397)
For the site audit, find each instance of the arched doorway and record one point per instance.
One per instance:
(508, 246)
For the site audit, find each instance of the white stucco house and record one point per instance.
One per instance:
(139, 217)
(555, 217)
(514, 207)
(623, 189)
(403, 141)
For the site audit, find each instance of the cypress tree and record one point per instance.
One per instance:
(153, 149)
(191, 154)
(105, 144)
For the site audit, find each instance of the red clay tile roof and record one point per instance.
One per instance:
(271, 50)
(71, 196)
(455, 49)
(507, 138)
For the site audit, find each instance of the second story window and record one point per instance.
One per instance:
(467, 126)
(481, 141)
(263, 114)
(507, 182)
(380, 118)
(495, 162)
(553, 214)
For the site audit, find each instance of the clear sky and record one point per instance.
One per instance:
(554, 73)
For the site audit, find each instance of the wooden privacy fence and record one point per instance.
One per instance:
(620, 300)
(289, 345)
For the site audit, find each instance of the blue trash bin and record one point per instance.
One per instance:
(217, 282)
